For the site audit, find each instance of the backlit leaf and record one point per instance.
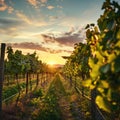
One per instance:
(87, 83)
(102, 103)
(118, 34)
(105, 84)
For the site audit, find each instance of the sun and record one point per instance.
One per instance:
(51, 63)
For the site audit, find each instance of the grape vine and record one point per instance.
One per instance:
(98, 60)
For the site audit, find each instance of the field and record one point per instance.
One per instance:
(56, 100)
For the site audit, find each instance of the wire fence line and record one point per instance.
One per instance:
(44, 79)
(99, 114)
(9, 98)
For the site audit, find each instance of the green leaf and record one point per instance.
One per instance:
(95, 69)
(110, 24)
(106, 4)
(105, 68)
(108, 36)
(104, 84)
(117, 64)
(96, 29)
(109, 94)
(92, 24)
(102, 103)
(102, 24)
(88, 33)
(118, 34)
(101, 90)
(87, 83)
(87, 26)
(116, 4)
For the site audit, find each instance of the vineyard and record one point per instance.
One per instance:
(87, 87)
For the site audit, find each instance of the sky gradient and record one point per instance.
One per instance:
(49, 27)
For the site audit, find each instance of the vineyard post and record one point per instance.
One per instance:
(1, 74)
(37, 82)
(41, 78)
(70, 78)
(30, 78)
(93, 104)
(27, 82)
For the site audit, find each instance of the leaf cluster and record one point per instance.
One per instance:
(99, 58)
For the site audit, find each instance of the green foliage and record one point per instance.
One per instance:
(48, 114)
(50, 109)
(18, 63)
(34, 101)
(77, 63)
(12, 90)
(105, 48)
(99, 59)
(38, 93)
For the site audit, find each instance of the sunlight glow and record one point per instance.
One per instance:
(51, 63)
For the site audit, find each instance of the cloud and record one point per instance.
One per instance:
(53, 18)
(33, 2)
(50, 7)
(27, 45)
(23, 17)
(36, 46)
(43, 1)
(10, 9)
(7, 22)
(58, 6)
(37, 3)
(69, 40)
(40, 23)
(65, 39)
(3, 5)
(52, 51)
(8, 26)
(13, 27)
(3, 8)
(33, 22)
(48, 39)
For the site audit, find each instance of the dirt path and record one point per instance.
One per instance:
(65, 109)
(63, 101)
(57, 103)
(69, 103)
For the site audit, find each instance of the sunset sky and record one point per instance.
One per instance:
(49, 27)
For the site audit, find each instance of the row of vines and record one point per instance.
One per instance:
(94, 66)
(25, 67)
(20, 72)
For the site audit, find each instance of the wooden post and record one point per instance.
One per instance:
(1, 74)
(37, 81)
(27, 77)
(93, 104)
